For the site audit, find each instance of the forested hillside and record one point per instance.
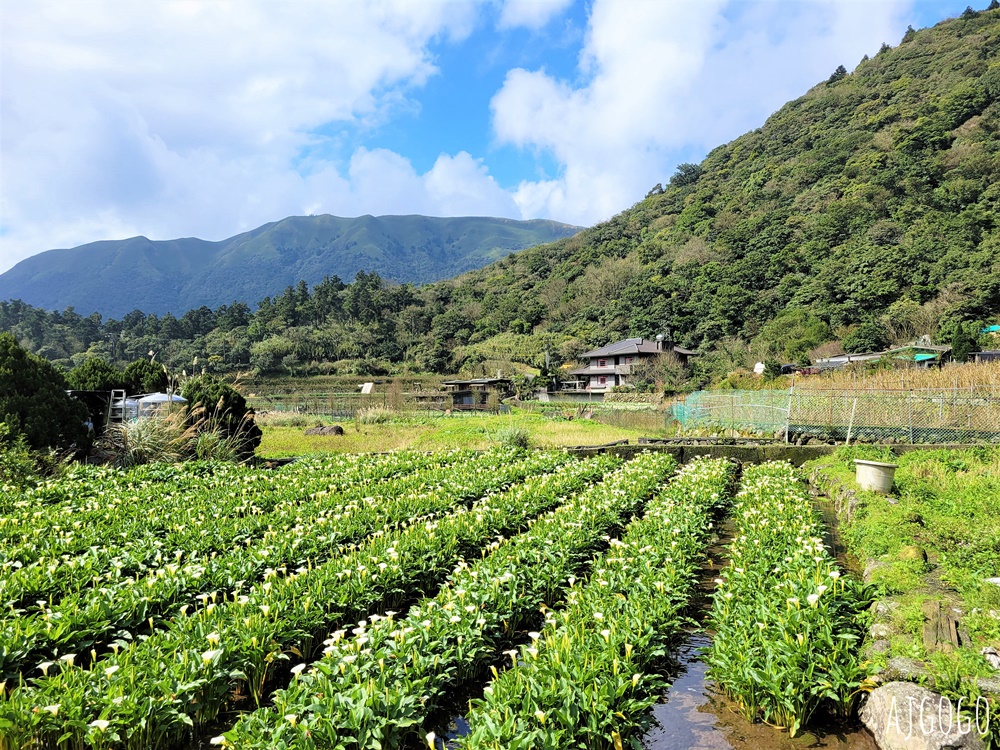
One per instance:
(862, 214)
(876, 192)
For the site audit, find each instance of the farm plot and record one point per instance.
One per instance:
(307, 526)
(230, 642)
(586, 680)
(363, 596)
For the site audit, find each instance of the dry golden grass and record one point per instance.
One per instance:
(961, 377)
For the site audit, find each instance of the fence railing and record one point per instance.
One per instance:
(847, 415)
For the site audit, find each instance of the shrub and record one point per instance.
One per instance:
(216, 405)
(19, 466)
(374, 415)
(513, 437)
(33, 401)
(145, 376)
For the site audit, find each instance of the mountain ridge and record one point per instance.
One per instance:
(114, 277)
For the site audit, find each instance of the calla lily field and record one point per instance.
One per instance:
(351, 602)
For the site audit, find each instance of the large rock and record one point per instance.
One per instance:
(904, 716)
(331, 430)
(912, 552)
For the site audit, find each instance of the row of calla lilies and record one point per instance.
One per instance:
(588, 678)
(311, 530)
(156, 692)
(787, 623)
(142, 527)
(379, 682)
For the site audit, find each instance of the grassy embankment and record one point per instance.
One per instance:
(936, 537)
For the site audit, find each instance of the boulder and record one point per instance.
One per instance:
(992, 656)
(872, 568)
(989, 685)
(912, 552)
(901, 668)
(335, 429)
(904, 716)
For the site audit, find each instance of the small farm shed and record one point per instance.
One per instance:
(476, 391)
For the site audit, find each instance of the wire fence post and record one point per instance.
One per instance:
(788, 414)
(850, 424)
(909, 401)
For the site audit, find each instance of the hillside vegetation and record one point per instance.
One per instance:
(861, 214)
(873, 196)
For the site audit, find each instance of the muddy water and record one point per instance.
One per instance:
(692, 716)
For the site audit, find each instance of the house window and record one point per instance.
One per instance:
(602, 363)
(629, 360)
(602, 380)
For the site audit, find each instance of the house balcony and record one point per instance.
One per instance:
(609, 370)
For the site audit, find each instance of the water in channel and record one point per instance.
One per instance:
(693, 716)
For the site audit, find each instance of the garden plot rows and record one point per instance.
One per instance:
(311, 532)
(533, 567)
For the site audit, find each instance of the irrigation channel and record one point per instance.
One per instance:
(693, 714)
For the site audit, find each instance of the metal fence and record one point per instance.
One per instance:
(848, 415)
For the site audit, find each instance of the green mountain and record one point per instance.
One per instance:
(116, 277)
(871, 201)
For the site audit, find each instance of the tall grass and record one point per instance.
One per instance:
(168, 438)
(147, 439)
(374, 415)
(513, 436)
(969, 377)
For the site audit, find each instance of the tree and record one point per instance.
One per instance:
(95, 375)
(791, 335)
(145, 376)
(867, 337)
(665, 372)
(840, 72)
(34, 403)
(224, 407)
(962, 344)
(686, 174)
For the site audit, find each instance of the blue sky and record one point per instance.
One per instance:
(173, 118)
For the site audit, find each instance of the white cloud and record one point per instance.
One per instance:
(176, 117)
(663, 78)
(532, 14)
